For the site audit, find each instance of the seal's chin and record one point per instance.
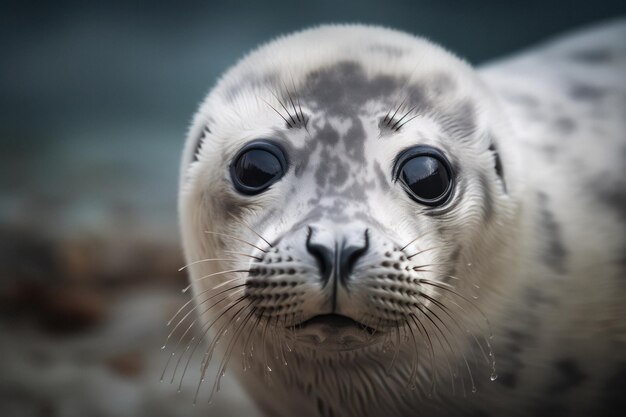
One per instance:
(335, 332)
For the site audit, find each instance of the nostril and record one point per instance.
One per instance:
(322, 254)
(348, 257)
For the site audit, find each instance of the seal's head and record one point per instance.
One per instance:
(342, 184)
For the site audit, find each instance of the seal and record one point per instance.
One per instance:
(369, 221)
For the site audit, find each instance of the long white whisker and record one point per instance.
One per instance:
(213, 275)
(251, 229)
(206, 260)
(242, 254)
(235, 238)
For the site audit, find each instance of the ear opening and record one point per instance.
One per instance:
(498, 164)
(199, 141)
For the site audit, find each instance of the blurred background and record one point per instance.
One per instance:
(95, 100)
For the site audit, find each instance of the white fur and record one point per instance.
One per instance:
(502, 255)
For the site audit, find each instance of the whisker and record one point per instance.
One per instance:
(293, 122)
(425, 250)
(448, 312)
(432, 350)
(419, 267)
(201, 303)
(473, 284)
(416, 239)
(248, 339)
(279, 332)
(490, 358)
(415, 361)
(450, 349)
(386, 118)
(182, 337)
(206, 260)
(229, 350)
(277, 112)
(397, 109)
(266, 367)
(397, 350)
(208, 354)
(448, 288)
(242, 254)
(251, 229)
(484, 317)
(443, 308)
(304, 119)
(408, 120)
(293, 106)
(204, 333)
(213, 275)
(394, 127)
(235, 238)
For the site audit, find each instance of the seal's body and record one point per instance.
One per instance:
(378, 229)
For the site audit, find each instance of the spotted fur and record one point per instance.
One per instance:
(534, 226)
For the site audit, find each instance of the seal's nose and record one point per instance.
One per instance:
(336, 257)
(348, 254)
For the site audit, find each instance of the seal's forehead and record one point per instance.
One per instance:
(379, 52)
(345, 85)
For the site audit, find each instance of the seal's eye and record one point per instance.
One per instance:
(256, 166)
(425, 174)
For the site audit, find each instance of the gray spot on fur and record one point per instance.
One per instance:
(357, 191)
(302, 156)
(418, 98)
(198, 143)
(488, 208)
(442, 83)
(535, 298)
(355, 140)
(339, 176)
(383, 182)
(593, 56)
(565, 125)
(515, 343)
(522, 99)
(568, 377)
(497, 163)
(327, 135)
(342, 88)
(554, 252)
(587, 92)
(612, 192)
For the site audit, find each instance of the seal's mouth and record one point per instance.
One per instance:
(334, 332)
(337, 321)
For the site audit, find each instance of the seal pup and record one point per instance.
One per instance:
(369, 221)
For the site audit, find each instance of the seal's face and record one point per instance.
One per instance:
(358, 190)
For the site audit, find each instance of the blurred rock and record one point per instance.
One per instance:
(127, 364)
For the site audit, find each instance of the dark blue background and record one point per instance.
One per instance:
(67, 62)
